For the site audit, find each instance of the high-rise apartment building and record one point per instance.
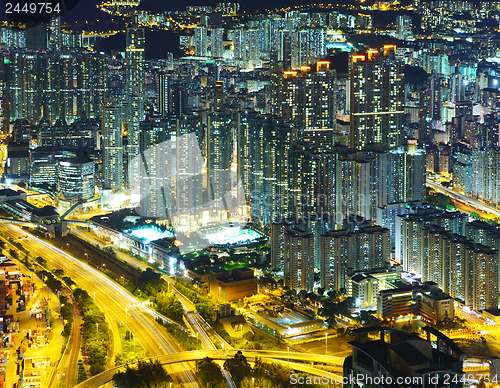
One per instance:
(402, 171)
(201, 41)
(377, 98)
(299, 260)
(277, 240)
(308, 46)
(409, 233)
(135, 60)
(342, 250)
(306, 98)
(246, 47)
(334, 259)
(54, 85)
(112, 146)
(164, 93)
(91, 83)
(403, 27)
(462, 268)
(54, 34)
(304, 181)
(217, 42)
(219, 153)
(156, 165)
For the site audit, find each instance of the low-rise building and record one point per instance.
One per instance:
(426, 301)
(231, 285)
(364, 286)
(364, 289)
(492, 315)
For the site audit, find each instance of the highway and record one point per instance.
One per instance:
(69, 360)
(460, 197)
(273, 355)
(198, 325)
(204, 331)
(118, 304)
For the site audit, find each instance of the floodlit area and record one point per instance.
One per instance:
(232, 236)
(224, 236)
(288, 317)
(149, 233)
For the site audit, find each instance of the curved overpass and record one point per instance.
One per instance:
(279, 356)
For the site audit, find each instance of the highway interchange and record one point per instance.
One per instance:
(122, 307)
(116, 302)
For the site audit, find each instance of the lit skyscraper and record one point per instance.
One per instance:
(219, 155)
(201, 41)
(299, 260)
(54, 34)
(263, 166)
(158, 158)
(76, 179)
(334, 256)
(377, 98)
(91, 83)
(304, 182)
(189, 180)
(217, 42)
(310, 46)
(163, 90)
(134, 55)
(307, 98)
(55, 86)
(341, 250)
(403, 27)
(112, 146)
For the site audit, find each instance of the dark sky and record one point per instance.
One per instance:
(87, 10)
(245, 4)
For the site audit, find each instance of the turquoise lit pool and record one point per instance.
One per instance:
(149, 233)
(232, 236)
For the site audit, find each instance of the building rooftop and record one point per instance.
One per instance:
(10, 192)
(494, 312)
(409, 353)
(412, 351)
(359, 277)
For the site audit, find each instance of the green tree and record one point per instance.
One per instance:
(209, 373)
(169, 306)
(238, 367)
(150, 282)
(146, 375)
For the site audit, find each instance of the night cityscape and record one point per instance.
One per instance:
(249, 194)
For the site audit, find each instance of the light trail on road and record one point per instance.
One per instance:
(468, 201)
(109, 297)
